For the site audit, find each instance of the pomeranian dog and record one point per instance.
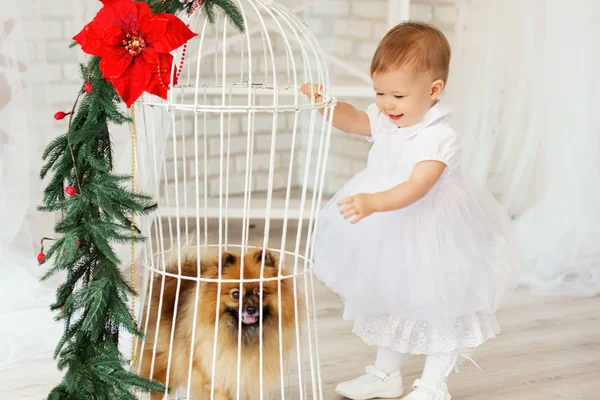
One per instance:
(227, 301)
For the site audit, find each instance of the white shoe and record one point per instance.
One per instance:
(388, 386)
(428, 391)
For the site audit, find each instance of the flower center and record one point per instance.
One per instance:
(134, 43)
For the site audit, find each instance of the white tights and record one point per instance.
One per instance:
(388, 361)
(438, 366)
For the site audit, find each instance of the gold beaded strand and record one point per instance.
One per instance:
(133, 323)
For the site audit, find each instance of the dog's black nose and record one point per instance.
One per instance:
(251, 310)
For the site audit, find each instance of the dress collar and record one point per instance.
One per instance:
(433, 115)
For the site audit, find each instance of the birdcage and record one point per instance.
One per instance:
(236, 158)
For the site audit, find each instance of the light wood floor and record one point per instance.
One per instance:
(549, 349)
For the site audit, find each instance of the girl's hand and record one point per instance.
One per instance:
(358, 206)
(310, 89)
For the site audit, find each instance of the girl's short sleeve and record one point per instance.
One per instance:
(439, 143)
(374, 121)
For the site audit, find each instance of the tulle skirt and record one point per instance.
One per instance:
(425, 278)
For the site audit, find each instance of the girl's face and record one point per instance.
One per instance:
(405, 96)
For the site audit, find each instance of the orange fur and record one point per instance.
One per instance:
(227, 340)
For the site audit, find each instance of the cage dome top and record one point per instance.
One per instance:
(259, 70)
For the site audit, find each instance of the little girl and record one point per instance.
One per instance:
(421, 256)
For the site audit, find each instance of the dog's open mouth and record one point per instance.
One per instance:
(249, 319)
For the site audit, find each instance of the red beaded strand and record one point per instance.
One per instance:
(197, 3)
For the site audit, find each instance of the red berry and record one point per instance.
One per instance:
(70, 190)
(88, 87)
(41, 257)
(60, 115)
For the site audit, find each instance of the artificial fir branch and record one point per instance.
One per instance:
(168, 6)
(70, 146)
(93, 297)
(207, 7)
(230, 9)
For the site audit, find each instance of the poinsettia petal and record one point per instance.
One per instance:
(122, 13)
(176, 35)
(156, 88)
(90, 39)
(132, 84)
(113, 36)
(159, 85)
(153, 28)
(151, 57)
(115, 63)
(144, 11)
(166, 66)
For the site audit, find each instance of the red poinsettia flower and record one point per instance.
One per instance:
(134, 47)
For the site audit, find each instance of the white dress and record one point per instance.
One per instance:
(427, 278)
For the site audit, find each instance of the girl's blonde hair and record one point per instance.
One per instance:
(417, 45)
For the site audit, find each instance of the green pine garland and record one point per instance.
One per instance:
(92, 301)
(208, 7)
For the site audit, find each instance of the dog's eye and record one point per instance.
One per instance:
(235, 295)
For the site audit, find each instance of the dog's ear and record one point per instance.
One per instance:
(228, 259)
(270, 258)
(211, 265)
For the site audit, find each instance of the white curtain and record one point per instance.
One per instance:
(527, 88)
(24, 301)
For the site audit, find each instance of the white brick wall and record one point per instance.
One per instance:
(365, 49)
(422, 12)
(350, 29)
(335, 8)
(373, 9)
(354, 28)
(319, 25)
(446, 14)
(43, 74)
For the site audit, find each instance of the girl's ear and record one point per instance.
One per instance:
(436, 89)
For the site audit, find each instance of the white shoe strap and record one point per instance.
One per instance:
(437, 389)
(373, 370)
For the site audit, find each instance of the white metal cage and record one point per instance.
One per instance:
(236, 158)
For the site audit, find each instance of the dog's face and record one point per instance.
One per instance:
(248, 299)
